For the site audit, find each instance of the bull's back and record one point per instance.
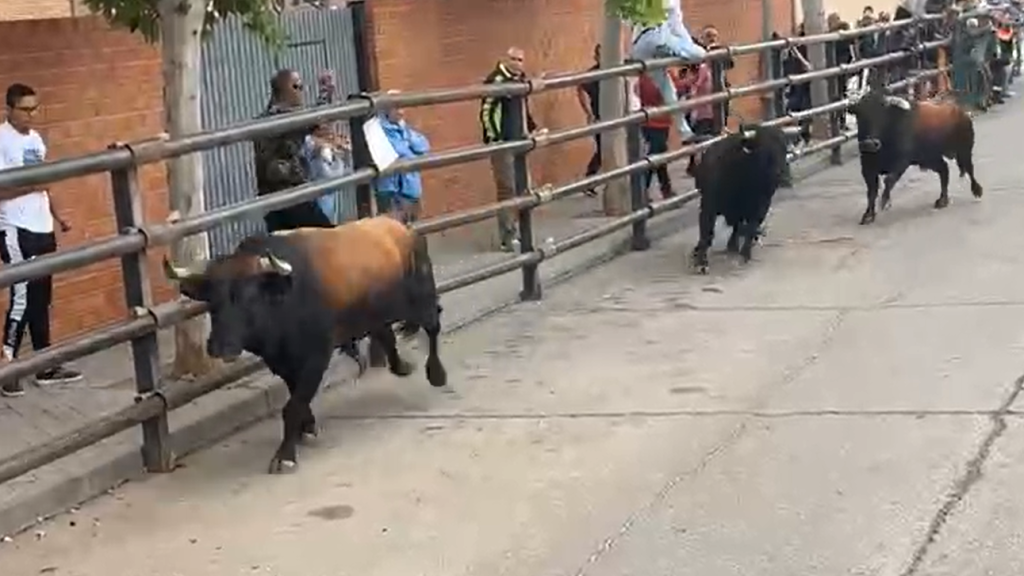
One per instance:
(354, 261)
(941, 124)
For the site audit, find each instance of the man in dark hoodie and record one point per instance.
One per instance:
(280, 161)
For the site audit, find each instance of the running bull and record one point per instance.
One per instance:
(737, 178)
(894, 134)
(290, 297)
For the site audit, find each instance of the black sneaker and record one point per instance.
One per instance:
(58, 375)
(12, 389)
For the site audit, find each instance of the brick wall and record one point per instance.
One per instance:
(96, 86)
(37, 9)
(436, 43)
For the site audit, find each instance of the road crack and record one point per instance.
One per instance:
(973, 473)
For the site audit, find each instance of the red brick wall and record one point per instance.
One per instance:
(96, 87)
(437, 43)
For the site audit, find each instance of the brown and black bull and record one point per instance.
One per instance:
(894, 134)
(291, 297)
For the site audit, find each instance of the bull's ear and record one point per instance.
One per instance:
(195, 288)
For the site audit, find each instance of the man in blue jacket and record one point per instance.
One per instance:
(399, 194)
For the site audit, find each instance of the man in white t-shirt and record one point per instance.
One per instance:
(26, 231)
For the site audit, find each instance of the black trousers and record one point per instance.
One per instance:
(29, 305)
(657, 143)
(594, 166)
(305, 215)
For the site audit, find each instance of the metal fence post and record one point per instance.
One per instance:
(157, 455)
(836, 92)
(360, 159)
(637, 188)
(521, 186)
(718, 85)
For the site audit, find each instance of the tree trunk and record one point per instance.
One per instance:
(612, 105)
(181, 24)
(814, 23)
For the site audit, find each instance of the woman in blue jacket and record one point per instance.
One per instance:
(399, 194)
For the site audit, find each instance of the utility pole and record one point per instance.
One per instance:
(814, 23)
(611, 105)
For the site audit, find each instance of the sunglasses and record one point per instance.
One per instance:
(27, 109)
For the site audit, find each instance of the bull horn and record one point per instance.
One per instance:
(271, 263)
(182, 272)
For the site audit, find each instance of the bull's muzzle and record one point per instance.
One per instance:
(870, 145)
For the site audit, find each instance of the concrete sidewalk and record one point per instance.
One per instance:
(44, 414)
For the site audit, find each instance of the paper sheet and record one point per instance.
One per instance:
(381, 151)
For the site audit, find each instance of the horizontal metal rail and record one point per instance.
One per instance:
(177, 394)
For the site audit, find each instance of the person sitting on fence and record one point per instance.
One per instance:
(281, 161)
(399, 194)
(667, 38)
(329, 156)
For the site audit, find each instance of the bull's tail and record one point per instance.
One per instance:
(425, 296)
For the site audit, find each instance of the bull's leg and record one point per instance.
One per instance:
(378, 352)
(749, 228)
(436, 374)
(389, 344)
(871, 179)
(733, 245)
(351, 349)
(304, 382)
(942, 169)
(890, 180)
(966, 164)
(707, 235)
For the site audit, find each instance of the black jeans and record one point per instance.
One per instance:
(30, 301)
(594, 166)
(657, 142)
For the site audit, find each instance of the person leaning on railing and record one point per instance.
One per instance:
(399, 194)
(495, 121)
(281, 161)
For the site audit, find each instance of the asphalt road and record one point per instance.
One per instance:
(848, 403)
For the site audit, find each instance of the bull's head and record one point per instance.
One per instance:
(872, 107)
(239, 289)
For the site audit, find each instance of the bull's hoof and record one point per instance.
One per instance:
(977, 190)
(402, 368)
(310, 434)
(436, 374)
(279, 466)
(701, 269)
(886, 203)
(747, 256)
(867, 218)
(942, 202)
(733, 246)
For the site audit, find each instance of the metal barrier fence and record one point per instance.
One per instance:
(136, 237)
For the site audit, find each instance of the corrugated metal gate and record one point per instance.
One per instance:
(236, 71)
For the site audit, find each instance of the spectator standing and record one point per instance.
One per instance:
(329, 156)
(799, 97)
(696, 81)
(27, 231)
(711, 40)
(588, 96)
(844, 53)
(400, 194)
(282, 160)
(655, 131)
(495, 120)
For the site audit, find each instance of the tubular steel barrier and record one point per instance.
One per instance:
(155, 399)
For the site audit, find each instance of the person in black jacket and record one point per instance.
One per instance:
(280, 161)
(496, 124)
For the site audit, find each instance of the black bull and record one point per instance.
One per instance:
(894, 134)
(737, 178)
(270, 298)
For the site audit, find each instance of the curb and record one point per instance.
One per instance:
(268, 395)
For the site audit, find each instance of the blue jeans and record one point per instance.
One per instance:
(660, 43)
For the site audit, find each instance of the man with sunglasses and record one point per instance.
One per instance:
(281, 161)
(27, 219)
